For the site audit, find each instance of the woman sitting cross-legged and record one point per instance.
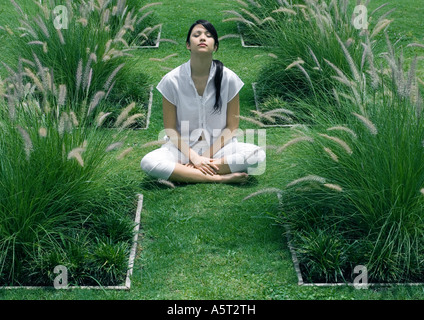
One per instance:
(201, 117)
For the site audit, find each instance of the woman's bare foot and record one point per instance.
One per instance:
(236, 177)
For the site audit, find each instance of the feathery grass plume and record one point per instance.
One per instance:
(17, 7)
(263, 191)
(306, 74)
(149, 5)
(83, 21)
(114, 146)
(411, 76)
(65, 124)
(124, 114)
(339, 141)
(60, 36)
(349, 59)
(338, 71)
(309, 178)
(42, 132)
(375, 79)
(331, 154)
(419, 45)
(238, 19)
(131, 120)
(380, 26)
(87, 75)
(38, 42)
(254, 3)
(257, 20)
(148, 31)
(283, 3)
(39, 21)
(335, 187)
(230, 35)
(112, 76)
(167, 40)
(253, 16)
(371, 127)
(271, 147)
(74, 119)
(28, 146)
(280, 110)
(123, 154)
(422, 191)
(294, 141)
(76, 154)
(378, 8)
(35, 79)
(259, 123)
(165, 58)
(285, 10)
(263, 115)
(27, 27)
(343, 128)
(314, 57)
(95, 101)
(281, 116)
(295, 63)
(153, 143)
(241, 2)
(101, 118)
(62, 95)
(78, 75)
(166, 183)
(347, 97)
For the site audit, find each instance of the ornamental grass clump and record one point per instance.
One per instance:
(354, 193)
(62, 202)
(307, 44)
(86, 48)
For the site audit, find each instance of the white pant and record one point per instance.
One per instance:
(239, 156)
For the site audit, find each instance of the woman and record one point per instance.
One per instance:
(200, 115)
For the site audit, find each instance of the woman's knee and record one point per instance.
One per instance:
(155, 167)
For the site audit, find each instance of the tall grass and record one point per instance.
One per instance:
(60, 192)
(88, 56)
(354, 194)
(306, 41)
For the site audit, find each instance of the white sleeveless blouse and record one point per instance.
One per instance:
(195, 114)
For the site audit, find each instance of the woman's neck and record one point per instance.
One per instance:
(200, 66)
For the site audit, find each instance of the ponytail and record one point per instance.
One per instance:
(218, 79)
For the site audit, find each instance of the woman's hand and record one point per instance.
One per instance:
(204, 164)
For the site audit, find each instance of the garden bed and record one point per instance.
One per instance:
(301, 282)
(126, 285)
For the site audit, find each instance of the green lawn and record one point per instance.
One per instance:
(203, 241)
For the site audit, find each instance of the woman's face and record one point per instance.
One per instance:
(201, 40)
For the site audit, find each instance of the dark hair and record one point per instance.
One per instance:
(218, 64)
